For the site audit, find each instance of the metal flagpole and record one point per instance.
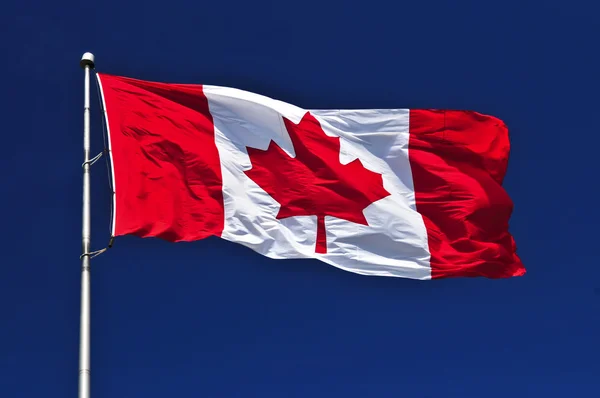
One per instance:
(87, 63)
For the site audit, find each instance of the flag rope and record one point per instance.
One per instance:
(107, 161)
(107, 157)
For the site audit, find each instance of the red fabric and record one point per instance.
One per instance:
(168, 180)
(458, 161)
(163, 133)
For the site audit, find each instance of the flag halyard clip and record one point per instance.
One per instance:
(94, 253)
(93, 160)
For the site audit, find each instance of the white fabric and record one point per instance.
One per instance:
(395, 241)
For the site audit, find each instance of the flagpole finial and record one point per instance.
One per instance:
(87, 59)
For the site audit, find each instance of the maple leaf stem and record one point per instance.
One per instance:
(321, 246)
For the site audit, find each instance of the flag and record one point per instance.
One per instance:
(390, 192)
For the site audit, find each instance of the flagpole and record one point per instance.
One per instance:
(87, 63)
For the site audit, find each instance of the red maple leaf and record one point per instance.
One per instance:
(315, 182)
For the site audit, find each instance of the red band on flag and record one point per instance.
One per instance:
(163, 133)
(458, 161)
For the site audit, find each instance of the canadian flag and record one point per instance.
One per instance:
(392, 192)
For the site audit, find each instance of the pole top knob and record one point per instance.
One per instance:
(87, 60)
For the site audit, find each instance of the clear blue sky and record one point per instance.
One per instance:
(213, 319)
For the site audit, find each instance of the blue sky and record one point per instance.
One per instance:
(212, 318)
